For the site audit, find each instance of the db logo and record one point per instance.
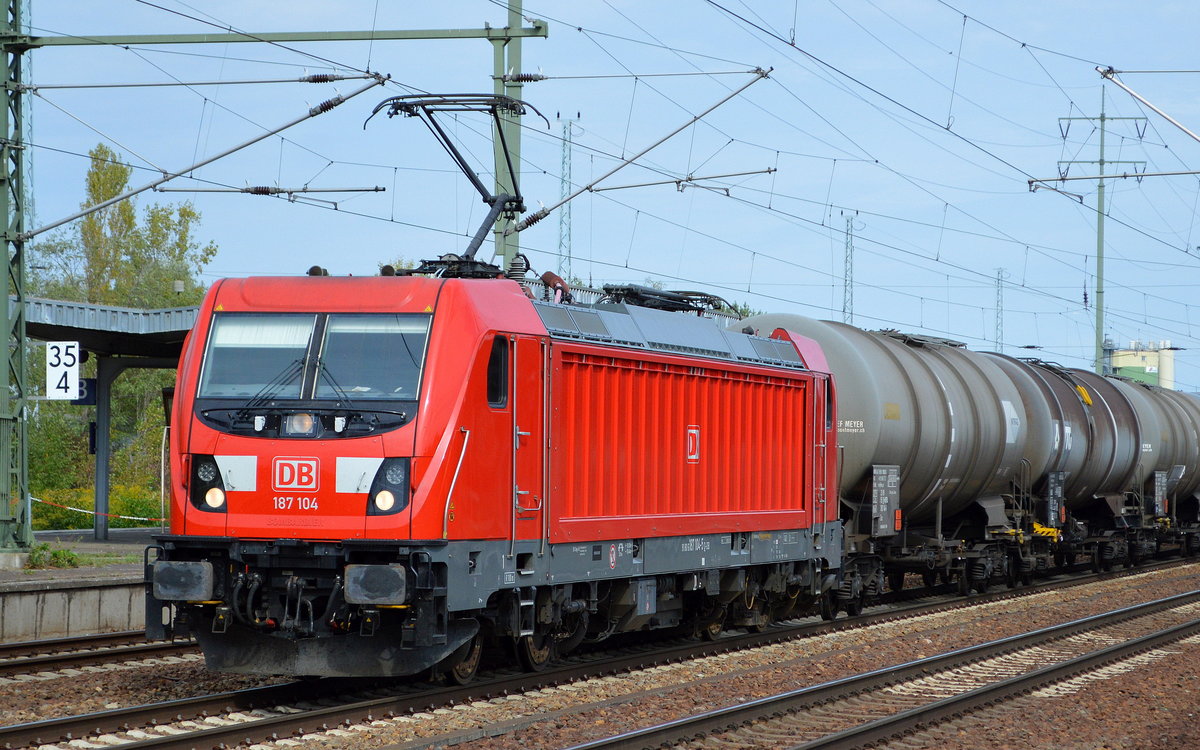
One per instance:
(693, 444)
(288, 473)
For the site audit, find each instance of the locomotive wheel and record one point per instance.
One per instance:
(711, 631)
(711, 623)
(929, 578)
(465, 661)
(535, 651)
(895, 580)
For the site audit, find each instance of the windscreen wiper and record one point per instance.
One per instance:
(271, 389)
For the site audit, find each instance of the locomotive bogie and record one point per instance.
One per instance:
(333, 609)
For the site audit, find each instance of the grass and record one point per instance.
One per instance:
(43, 556)
(92, 559)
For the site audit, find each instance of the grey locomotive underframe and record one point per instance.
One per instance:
(322, 607)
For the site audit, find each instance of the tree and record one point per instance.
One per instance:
(401, 263)
(110, 258)
(119, 258)
(740, 309)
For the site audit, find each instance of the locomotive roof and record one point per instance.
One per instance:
(646, 328)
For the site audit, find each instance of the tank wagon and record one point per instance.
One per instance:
(384, 475)
(986, 468)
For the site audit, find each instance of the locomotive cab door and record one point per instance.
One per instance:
(530, 388)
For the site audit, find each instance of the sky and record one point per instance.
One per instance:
(905, 130)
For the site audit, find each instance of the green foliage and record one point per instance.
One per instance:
(401, 263)
(58, 446)
(740, 309)
(55, 512)
(124, 257)
(111, 258)
(42, 556)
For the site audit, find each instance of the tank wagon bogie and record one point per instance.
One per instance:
(379, 476)
(984, 468)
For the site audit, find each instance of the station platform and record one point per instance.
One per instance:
(104, 594)
(94, 555)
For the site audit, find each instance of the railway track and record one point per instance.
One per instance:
(895, 700)
(27, 657)
(299, 707)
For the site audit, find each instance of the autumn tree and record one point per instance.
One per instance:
(110, 257)
(125, 257)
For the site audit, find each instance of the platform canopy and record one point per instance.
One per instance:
(114, 331)
(120, 338)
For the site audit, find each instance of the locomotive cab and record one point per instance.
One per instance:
(308, 382)
(296, 462)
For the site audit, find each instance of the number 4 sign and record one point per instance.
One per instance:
(62, 370)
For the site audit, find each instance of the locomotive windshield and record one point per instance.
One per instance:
(250, 353)
(328, 357)
(372, 356)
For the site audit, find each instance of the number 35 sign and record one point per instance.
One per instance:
(62, 370)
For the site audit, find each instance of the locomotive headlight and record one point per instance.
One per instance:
(389, 490)
(214, 498)
(396, 474)
(385, 500)
(302, 424)
(206, 471)
(207, 488)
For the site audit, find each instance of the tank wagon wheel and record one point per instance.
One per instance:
(1064, 557)
(964, 584)
(535, 651)
(895, 580)
(829, 605)
(854, 606)
(929, 578)
(1013, 577)
(460, 667)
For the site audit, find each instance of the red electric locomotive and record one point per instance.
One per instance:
(380, 475)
